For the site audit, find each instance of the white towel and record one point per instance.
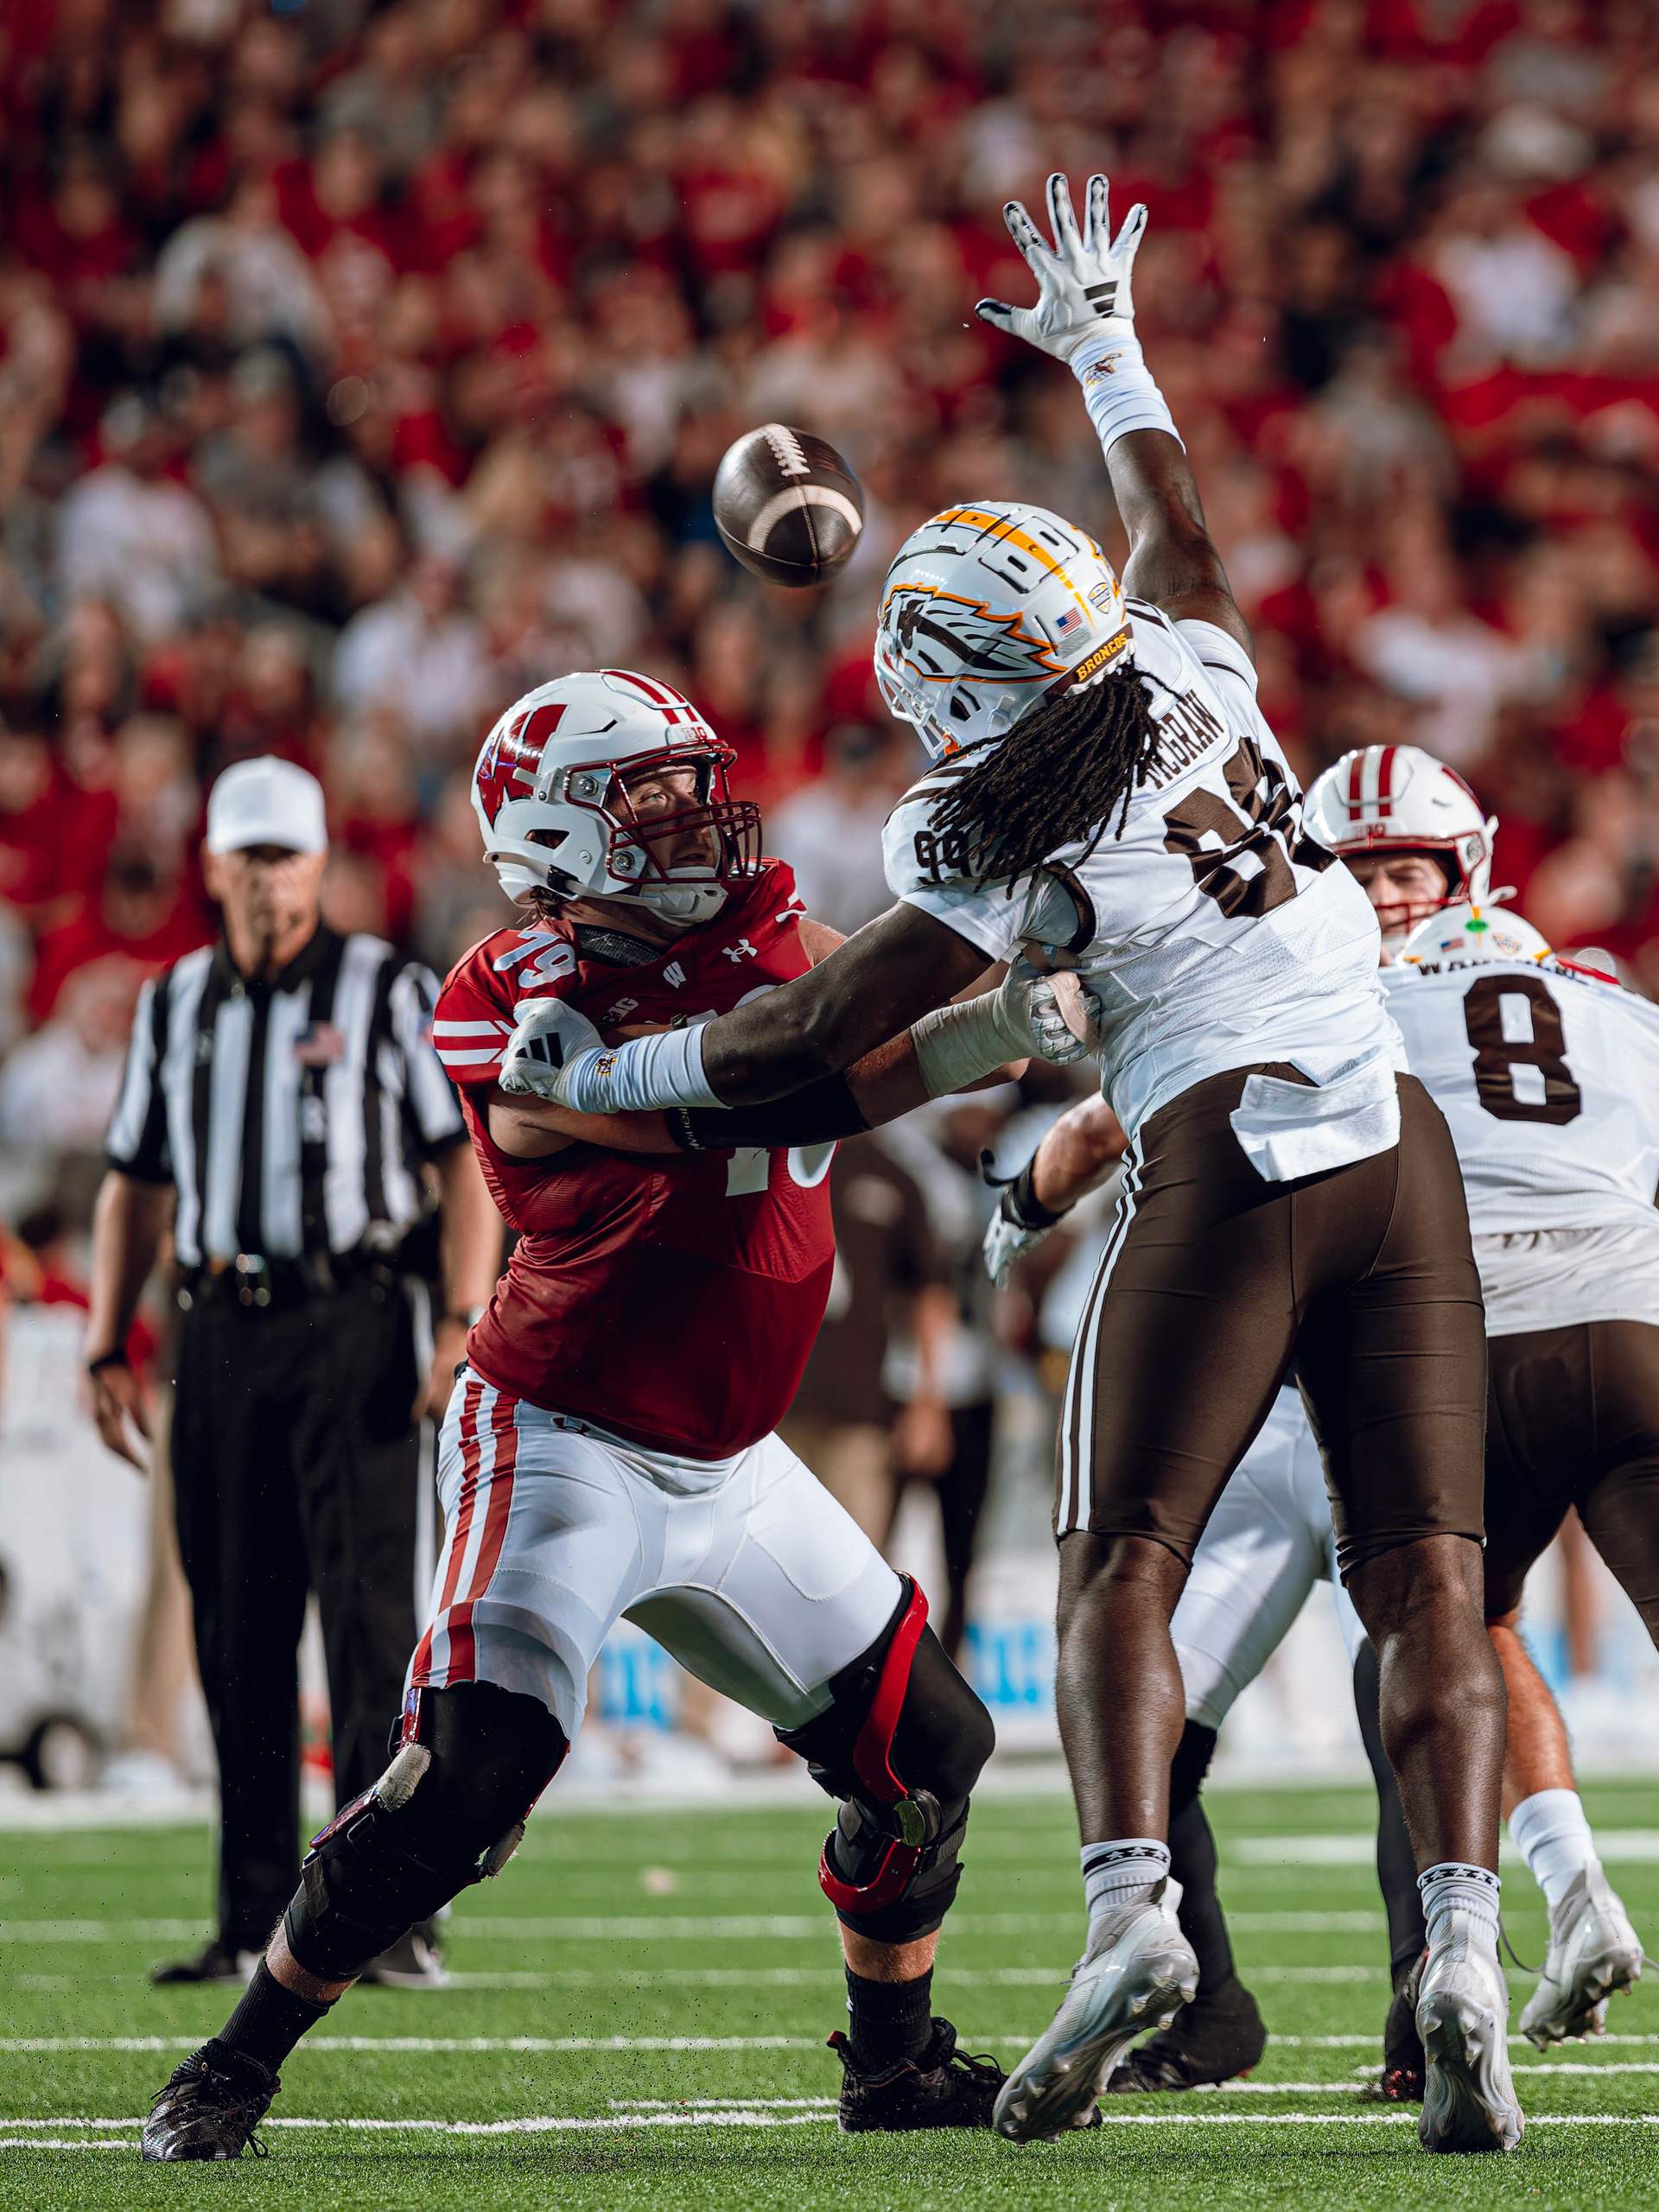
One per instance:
(1290, 1129)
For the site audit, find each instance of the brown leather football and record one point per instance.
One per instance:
(787, 506)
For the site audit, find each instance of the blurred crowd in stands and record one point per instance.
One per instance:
(362, 366)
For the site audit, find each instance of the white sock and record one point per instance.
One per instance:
(1453, 1887)
(1552, 1835)
(1118, 1875)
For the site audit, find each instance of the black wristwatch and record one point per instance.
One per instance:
(115, 1358)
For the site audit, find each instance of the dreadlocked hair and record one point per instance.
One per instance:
(1056, 780)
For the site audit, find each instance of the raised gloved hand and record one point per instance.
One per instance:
(1083, 279)
(549, 1034)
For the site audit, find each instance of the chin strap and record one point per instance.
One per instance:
(614, 946)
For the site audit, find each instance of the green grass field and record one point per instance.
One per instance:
(638, 2012)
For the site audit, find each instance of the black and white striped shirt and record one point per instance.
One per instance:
(292, 1115)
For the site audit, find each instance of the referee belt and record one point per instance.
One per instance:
(259, 1285)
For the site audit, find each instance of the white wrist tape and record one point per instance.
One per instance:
(958, 1043)
(1119, 391)
(641, 1076)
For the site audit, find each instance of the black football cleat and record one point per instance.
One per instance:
(211, 2106)
(216, 1961)
(944, 2088)
(1217, 2038)
(1402, 2047)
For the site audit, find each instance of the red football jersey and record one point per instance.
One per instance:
(673, 1300)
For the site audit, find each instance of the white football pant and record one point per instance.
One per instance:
(1267, 1543)
(745, 1568)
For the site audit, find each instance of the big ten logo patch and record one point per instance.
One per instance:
(619, 1012)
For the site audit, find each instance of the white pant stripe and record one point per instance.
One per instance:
(483, 1434)
(1077, 1470)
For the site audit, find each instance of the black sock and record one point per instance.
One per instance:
(1396, 1864)
(1192, 1860)
(269, 2021)
(889, 2020)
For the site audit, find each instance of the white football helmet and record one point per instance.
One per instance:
(551, 797)
(1463, 933)
(987, 611)
(1397, 797)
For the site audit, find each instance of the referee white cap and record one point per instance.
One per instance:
(266, 802)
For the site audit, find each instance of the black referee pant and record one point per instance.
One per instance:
(296, 1467)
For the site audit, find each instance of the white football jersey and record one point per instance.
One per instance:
(1549, 1081)
(1215, 933)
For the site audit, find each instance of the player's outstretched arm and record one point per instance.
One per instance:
(881, 1087)
(1084, 316)
(899, 972)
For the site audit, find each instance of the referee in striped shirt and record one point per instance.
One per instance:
(284, 1109)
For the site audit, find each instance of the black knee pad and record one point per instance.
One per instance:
(1190, 1765)
(468, 1767)
(902, 1743)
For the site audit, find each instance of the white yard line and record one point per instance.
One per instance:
(1516, 2043)
(478, 2046)
(552, 2046)
(758, 2116)
(1614, 1846)
(769, 1928)
(826, 1978)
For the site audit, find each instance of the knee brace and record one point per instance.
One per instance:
(467, 1766)
(901, 1745)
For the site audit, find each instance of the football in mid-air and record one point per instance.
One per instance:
(788, 506)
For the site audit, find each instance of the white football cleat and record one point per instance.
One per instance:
(1593, 1950)
(1138, 1979)
(1463, 2017)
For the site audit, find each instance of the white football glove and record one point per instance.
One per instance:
(1059, 1015)
(1019, 1224)
(1007, 1240)
(549, 1034)
(1083, 281)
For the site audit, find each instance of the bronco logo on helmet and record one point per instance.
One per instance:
(989, 610)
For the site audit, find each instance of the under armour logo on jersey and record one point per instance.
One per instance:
(674, 974)
(741, 951)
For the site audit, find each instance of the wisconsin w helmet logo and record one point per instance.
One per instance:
(508, 766)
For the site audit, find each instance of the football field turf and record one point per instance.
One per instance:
(639, 2008)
